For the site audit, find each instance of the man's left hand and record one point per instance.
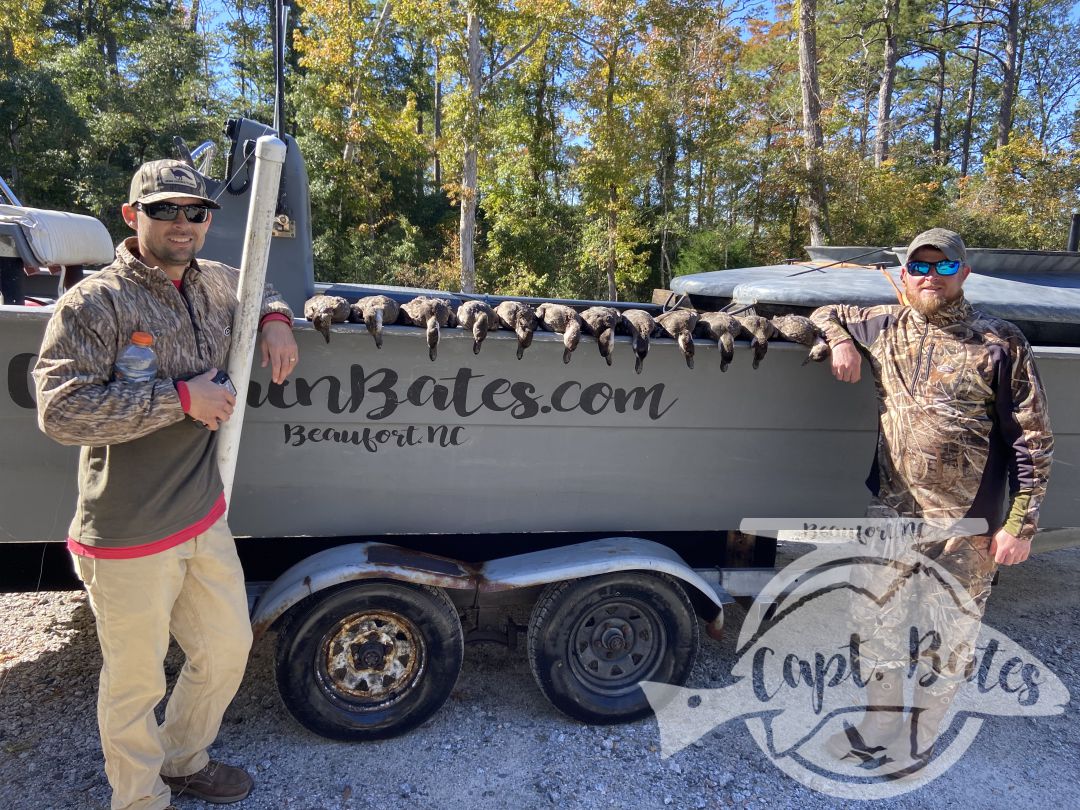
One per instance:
(1008, 549)
(279, 350)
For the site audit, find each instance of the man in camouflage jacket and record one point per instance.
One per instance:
(149, 538)
(962, 413)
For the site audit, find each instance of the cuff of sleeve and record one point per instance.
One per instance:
(836, 335)
(184, 394)
(274, 316)
(1019, 523)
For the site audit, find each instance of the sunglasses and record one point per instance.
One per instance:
(946, 267)
(167, 211)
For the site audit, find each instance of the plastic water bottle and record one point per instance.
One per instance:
(137, 362)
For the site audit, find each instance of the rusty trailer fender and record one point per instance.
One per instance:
(359, 561)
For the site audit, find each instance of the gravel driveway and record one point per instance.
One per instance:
(497, 743)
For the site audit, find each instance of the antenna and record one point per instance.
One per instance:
(280, 29)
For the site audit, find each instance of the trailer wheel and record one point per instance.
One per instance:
(370, 659)
(592, 641)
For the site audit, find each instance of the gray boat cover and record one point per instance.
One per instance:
(1024, 286)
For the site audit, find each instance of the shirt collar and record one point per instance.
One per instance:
(958, 311)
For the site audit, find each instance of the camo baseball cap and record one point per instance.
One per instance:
(948, 242)
(167, 180)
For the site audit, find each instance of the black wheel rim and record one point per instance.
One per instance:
(616, 644)
(370, 660)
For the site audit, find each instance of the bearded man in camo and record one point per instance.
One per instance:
(963, 433)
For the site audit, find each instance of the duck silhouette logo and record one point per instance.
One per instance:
(863, 669)
(179, 176)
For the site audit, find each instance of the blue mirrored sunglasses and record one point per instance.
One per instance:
(946, 267)
(167, 211)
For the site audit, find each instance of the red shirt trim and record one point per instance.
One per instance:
(146, 549)
(184, 394)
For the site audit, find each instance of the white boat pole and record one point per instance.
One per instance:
(269, 158)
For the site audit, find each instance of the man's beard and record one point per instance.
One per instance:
(928, 304)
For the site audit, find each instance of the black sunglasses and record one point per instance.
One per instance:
(167, 211)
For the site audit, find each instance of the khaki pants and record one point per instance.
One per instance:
(196, 591)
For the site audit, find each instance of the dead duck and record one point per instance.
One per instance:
(797, 329)
(323, 310)
(679, 324)
(600, 322)
(373, 311)
(431, 313)
(519, 318)
(759, 330)
(563, 319)
(641, 326)
(722, 328)
(478, 317)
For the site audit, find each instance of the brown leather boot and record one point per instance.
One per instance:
(217, 783)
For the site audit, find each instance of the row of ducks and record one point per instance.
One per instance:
(603, 323)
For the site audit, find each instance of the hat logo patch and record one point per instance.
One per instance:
(179, 177)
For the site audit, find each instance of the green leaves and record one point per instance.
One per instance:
(616, 142)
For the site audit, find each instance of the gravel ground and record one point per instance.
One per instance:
(497, 743)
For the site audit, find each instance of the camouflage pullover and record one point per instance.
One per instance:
(961, 411)
(146, 471)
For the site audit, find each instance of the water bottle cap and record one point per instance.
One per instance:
(142, 338)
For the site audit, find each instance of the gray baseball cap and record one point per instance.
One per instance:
(948, 242)
(161, 180)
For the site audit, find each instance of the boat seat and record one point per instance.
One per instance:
(53, 239)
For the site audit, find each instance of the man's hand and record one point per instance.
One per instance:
(211, 404)
(1008, 549)
(279, 349)
(846, 362)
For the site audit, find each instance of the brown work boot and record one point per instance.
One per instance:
(217, 783)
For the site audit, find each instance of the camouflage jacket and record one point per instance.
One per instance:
(146, 471)
(961, 411)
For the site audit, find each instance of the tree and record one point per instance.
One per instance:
(1008, 73)
(813, 137)
(889, 12)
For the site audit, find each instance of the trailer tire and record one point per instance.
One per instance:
(369, 660)
(591, 642)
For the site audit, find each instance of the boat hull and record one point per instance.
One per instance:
(386, 442)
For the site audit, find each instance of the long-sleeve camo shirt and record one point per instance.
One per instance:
(145, 470)
(961, 411)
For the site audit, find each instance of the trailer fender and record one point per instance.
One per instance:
(357, 561)
(604, 556)
(349, 563)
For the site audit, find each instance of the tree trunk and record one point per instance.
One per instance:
(467, 199)
(939, 109)
(864, 117)
(813, 137)
(668, 166)
(890, 10)
(539, 149)
(437, 121)
(969, 114)
(419, 71)
(611, 261)
(759, 199)
(193, 16)
(1008, 75)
